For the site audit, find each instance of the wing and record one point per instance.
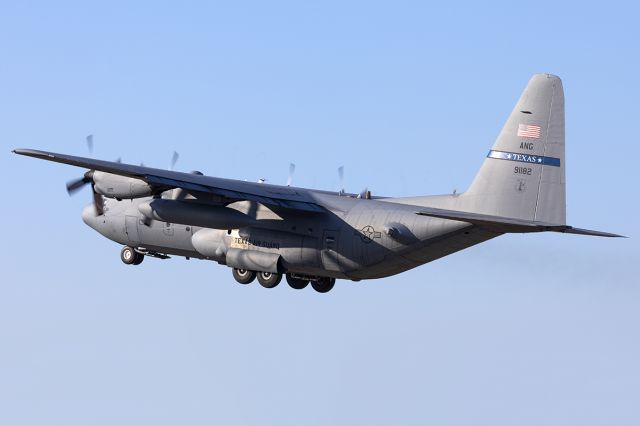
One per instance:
(229, 189)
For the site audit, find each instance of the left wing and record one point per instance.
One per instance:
(229, 189)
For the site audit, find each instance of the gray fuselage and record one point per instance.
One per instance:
(353, 239)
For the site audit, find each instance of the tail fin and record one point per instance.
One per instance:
(523, 174)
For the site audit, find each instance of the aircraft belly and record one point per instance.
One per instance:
(449, 244)
(387, 241)
(426, 251)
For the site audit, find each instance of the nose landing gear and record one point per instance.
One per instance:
(130, 256)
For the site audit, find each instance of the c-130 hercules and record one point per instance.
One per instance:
(314, 236)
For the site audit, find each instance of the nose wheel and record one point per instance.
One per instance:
(130, 256)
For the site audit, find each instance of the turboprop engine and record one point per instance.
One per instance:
(119, 187)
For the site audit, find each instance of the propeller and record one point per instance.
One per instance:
(292, 169)
(75, 185)
(341, 177)
(98, 203)
(365, 193)
(174, 159)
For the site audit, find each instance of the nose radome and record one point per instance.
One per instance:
(89, 215)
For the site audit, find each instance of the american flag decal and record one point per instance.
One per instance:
(529, 131)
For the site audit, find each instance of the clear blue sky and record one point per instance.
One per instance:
(522, 330)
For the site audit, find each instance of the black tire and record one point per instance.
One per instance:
(128, 255)
(323, 285)
(297, 283)
(243, 276)
(268, 279)
(139, 258)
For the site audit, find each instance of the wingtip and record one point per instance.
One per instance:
(590, 232)
(33, 153)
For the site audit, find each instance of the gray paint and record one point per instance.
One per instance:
(519, 188)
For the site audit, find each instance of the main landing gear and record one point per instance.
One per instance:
(270, 280)
(266, 279)
(243, 276)
(323, 285)
(130, 256)
(297, 283)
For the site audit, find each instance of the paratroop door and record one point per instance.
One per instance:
(330, 250)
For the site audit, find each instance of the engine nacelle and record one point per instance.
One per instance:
(253, 260)
(210, 243)
(195, 214)
(116, 186)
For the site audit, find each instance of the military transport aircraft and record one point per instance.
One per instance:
(311, 236)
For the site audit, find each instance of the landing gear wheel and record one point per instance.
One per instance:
(243, 276)
(297, 283)
(130, 256)
(268, 279)
(139, 258)
(323, 285)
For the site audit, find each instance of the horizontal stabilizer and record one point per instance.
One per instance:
(507, 224)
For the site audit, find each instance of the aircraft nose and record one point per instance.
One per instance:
(89, 215)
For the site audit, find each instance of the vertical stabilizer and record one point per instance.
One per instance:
(523, 175)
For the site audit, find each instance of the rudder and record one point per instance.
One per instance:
(523, 175)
